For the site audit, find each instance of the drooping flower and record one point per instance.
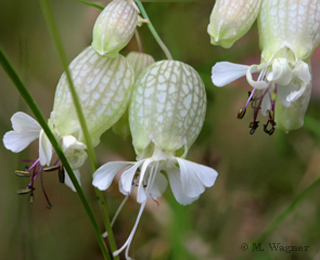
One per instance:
(115, 26)
(289, 32)
(166, 115)
(104, 87)
(138, 61)
(231, 19)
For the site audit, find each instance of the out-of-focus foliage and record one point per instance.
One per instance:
(258, 175)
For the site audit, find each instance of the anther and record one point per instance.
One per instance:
(241, 113)
(266, 130)
(51, 168)
(61, 175)
(31, 198)
(22, 173)
(253, 125)
(25, 191)
(49, 206)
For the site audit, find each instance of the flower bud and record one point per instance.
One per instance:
(114, 27)
(231, 19)
(138, 61)
(167, 107)
(104, 88)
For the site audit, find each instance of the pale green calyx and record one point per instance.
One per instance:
(138, 61)
(294, 24)
(167, 108)
(291, 118)
(104, 87)
(114, 27)
(231, 19)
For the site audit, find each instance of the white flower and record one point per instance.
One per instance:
(104, 87)
(289, 33)
(166, 115)
(26, 130)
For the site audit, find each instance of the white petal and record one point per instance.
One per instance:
(195, 177)
(17, 142)
(159, 186)
(225, 72)
(294, 95)
(259, 84)
(126, 179)
(21, 122)
(69, 142)
(302, 71)
(45, 149)
(176, 187)
(74, 151)
(142, 195)
(67, 180)
(281, 72)
(26, 130)
(103, 177)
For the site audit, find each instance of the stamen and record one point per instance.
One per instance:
(61, 175)
(49, 206)
(241, 113)
(22, 174)
(31, 198)
(51, 168)
(25, 191)
(253, 125)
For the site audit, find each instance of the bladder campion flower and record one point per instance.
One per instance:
(104, 87)
(138, 61)
(231, 19)
(289, 32)
(166, 115)
(115, 27)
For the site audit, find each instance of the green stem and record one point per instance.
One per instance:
(153, 31)
(37, 113)
(138, 39)
(54, 32)
(91, 4)
(287, 211)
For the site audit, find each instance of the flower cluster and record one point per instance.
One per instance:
(161, 104)
(289, 32)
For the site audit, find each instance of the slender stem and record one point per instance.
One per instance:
(92, 4)
(153, 31)
(24, 92)
(263, 235)
(138, 39)
(287, 211)
(54, 32)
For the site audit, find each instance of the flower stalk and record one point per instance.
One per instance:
(54, 32)
(11, 72)
(153, 31)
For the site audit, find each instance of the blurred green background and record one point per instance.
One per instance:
(258, 177)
